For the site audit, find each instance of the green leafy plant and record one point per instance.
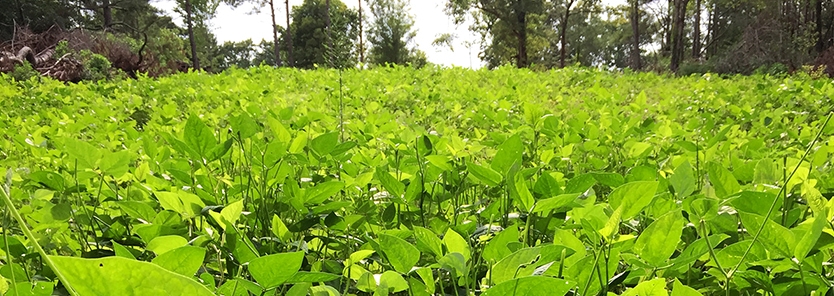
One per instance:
(421, 182)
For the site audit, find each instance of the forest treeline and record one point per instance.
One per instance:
(94, 39)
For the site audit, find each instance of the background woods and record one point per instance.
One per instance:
(681, 36)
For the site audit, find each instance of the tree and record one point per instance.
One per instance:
(696, 31)
(237, 54)
(634, 19)
(678, 16)
(274, 33)
(288, 36)
(361, 35)
(309, 29)
(391, 34)
(195, 61)
(196, 12)
(506, 22)
(564, 20)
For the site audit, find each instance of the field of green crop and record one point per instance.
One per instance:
(418, 182)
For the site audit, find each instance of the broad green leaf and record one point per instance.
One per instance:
(395, 187)
(655, 287)
(244, 126)
(393, 281)
(557, 202)
(198, 136)
(722, 180)
(547, 186)
(231, 213)
(279, 229)
(239, 287)
(4, 285)
(580, 184)
(816, 201)
(165, 243)
(496, 249)
(122, 276)
(775, 237)
(718, 137)
(427, 276)
(440, 161)
(298, 144)
(658, 242)
(809, 238)
(698, 248)
(137, 209)
(240, 246)
(428, 241)
(531, 286)
(121, 251)
(508, 153)
(612, 225)
(401, 254)
(679, 289)
(51, 180)
(731, 255)
(35, 288)
(185, 260)
(312, 277)
(414, 190)
(632, 197)
(507, 268)
(219, 150)
(325, 143)
(454, 242)
(184, 203)
(86, 154)
(366, 282)
(522, 193)
(323, 191)
(753, 202)
(280, 133)
(484, 174)
(273, 270)
(683, 180)
(116, 163)
(324, 291)
(609, 179)
(360, 255)
(638, 149)
(766, 173)
(454, 262)
(300, 289)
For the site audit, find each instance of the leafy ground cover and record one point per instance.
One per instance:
(418, 182)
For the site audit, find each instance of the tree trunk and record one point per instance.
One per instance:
(107, 13)
(678, 15)
(666, 46)
(275, 34)
(635, 38)
(288, 36)
(820, 46)
(708, 40)
(521, 18)
(563, 43)
(361, 43)
(195, 62)
(329, 33)
(696, 34)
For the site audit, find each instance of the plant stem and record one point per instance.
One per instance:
(22, 223)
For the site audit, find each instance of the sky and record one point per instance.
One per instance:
(430, 21)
